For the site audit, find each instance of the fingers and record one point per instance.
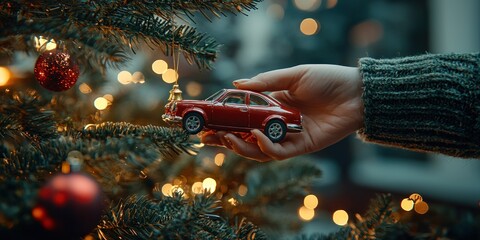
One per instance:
(246, 149)
(276, 80)
(215, 139)
(275, 151)
(262, 150)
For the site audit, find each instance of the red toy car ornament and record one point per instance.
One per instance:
(235, 110)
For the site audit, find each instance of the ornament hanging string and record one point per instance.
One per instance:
(176, 56)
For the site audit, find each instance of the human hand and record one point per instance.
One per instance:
(328, 96)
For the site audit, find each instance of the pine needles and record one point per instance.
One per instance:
(99, 33)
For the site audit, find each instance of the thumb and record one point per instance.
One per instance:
(276, 80)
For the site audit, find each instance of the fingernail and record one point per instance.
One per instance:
(238, 82)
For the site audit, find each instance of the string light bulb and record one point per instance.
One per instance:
(306, 214)
(4, 76)
(340, 217)
(310, 201)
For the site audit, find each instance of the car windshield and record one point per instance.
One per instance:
(215, 95)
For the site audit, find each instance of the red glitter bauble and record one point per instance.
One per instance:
(69, 205)
(56, 70)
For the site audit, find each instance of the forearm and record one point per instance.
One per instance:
(426, 103)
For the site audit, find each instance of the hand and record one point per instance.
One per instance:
(328, 96)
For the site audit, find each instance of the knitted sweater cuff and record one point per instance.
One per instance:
(426, 103)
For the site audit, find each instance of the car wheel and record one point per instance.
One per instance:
(276, 130)
(193, 123)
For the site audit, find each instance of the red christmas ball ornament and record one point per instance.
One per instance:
(56, 70)
(69, 205)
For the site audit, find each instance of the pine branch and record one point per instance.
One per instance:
(278, 181)
(377, 219)
(167, 140)
(168, 218)
(23, 118)
(99, 32)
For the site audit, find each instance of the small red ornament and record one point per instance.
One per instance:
(69, 205)
(56, 70)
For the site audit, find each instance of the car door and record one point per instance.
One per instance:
(232, 111)
(259, 109)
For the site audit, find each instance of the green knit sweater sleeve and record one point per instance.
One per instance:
(426, 103)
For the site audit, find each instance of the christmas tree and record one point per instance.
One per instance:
(70, 174)
(71, 169)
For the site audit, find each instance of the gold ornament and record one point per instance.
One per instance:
(175, 93)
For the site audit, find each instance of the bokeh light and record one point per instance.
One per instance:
(84, 88)
(307, 5)
(415, 197)
(242, 190)
(309, 26)
(194, 89)
(109, 97)
(100, 103)
(276, 11)
(366, 33)
(167, 189)
(197, 187)
(159, 66)
(306, 214)
(124, 77)
(4, 76)
(219, 158)
(421, 207)
(310, 201)
(233, 201)
(209, 184)
(138, 77)
(170, 76)
(407, 204)
(340, 217)
(331, 3)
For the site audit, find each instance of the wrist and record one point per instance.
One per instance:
(359, 112)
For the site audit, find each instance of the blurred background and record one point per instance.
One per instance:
(285, 33)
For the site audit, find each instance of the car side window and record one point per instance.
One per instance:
(235, 98)
(257, 101)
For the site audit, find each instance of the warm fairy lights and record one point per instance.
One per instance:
(209, 184)
(421, 207)
(407, 204)
(197, 187)
(138, 77)
(340, 217)
(276, 10)
(305, 213)
(331, 3)
(194, 89)
(124, 77)
(167, 189)
(307, 5)
(242, 190)
(159, 66)
(219, 158)
(233, 201)
(414, 202)
(101, 103)
(310, 201)
(309, 26)
(4, 76)
(84, 88)
(170, 76)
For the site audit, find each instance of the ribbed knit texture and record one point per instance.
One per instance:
(425, 103)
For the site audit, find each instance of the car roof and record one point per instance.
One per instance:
(229, 90)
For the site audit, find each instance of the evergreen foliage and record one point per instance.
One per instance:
(100, 32)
